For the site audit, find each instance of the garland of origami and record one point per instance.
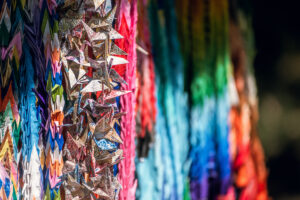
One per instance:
(88, 55)
(246, 151)
(163, 174)
(126, 25)
(204, 32)
(29, 23)
(145, 93)
(18, 106)
(53, 138)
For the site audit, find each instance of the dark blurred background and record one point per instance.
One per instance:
(277, 67)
